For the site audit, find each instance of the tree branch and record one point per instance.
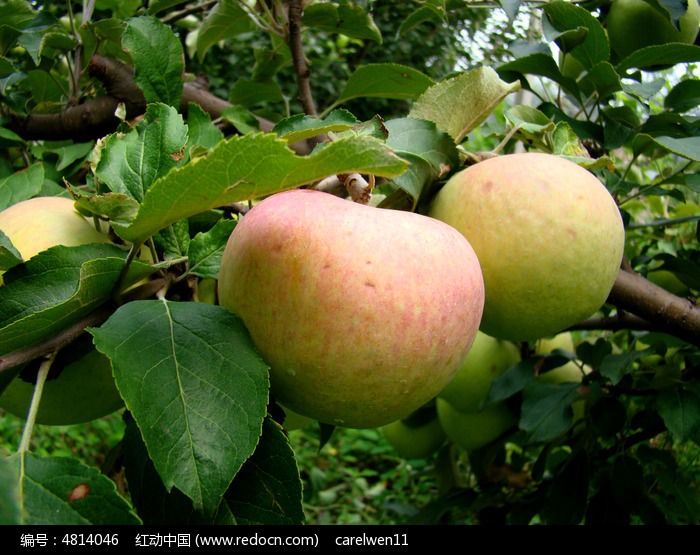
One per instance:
(96, 118)
(300, 68)
(664, 310)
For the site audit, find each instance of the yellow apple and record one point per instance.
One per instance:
(549, 237)
(39, 223)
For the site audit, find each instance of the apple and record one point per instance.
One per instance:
(39, 223)
(84, 390)
(548, 235)
(473, 430)
(415, 441)
(363, 313)
(635, 24)
(488, 358)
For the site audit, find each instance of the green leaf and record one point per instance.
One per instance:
(21, 185)
(225, 21)
(268, 490)
(680, 409)
(301, 127)
(9, 255)
(201, 131)
(154, 504)
(510, 382)
(242, 119)
(195, 386)
(459, 104)
(564, 16)
(615, 366)
(540, 64)
(684, 96)
(158, 59)
(206, 249)
(546, 410)
(663, 55)
(427, 13)
(174, 239)
(251, 92)
(385, 81)
(252, 166)
(56, 288)
(344, 18)
(687, 147)
(422, 137)
(61, 490)
(129, 163)
(10, 503)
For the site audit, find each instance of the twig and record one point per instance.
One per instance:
(35, 402)
(300, 68)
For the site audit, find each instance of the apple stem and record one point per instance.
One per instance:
(358, 188)
(34, 405)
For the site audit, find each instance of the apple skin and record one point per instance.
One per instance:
(39, 223)
(473, 430)
(488, 358)
(634, 24)
(548, 235)
(415, 442)
(363, 314)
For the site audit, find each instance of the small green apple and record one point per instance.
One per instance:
(473, 430)
(635, 24)
(549, 237)
(363, 314)
(488, 358)
(415, 441)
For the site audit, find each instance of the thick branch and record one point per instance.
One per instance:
(96, 118)
(665, 311)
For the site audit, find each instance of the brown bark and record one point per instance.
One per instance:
(662, 309)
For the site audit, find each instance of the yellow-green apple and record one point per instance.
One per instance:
(548, 234)
(363, 314)
(473, 430)
(635, 24)
(39, 223)
(83, 391)
(488, 358)
(415, 441)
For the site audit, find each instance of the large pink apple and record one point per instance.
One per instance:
(364, 314)
(549, 237)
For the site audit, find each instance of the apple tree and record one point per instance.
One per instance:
(163, 123)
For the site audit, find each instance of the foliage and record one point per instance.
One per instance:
(111, 107)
